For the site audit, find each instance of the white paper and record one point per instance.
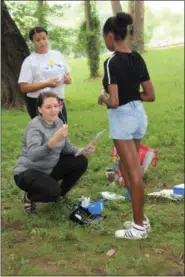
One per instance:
(111, 196)
(165, 193)
(81, 151)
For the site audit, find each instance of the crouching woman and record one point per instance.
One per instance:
(47, 156)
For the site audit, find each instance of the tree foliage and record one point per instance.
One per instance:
(66, 38)
(29, 14)
(24, 15)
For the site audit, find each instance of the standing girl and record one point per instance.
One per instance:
(124, 72)
(43, 70)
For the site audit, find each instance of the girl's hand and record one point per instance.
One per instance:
(67, 79)
(102, 99)
(53, 82)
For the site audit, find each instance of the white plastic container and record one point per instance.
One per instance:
(178, 189)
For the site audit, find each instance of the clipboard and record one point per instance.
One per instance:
(81, 151)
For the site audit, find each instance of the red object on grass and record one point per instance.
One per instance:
(143, 149)
(142, 152)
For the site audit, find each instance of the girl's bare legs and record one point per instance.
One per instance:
(127, 152)
(123, 170)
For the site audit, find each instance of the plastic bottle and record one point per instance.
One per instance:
(148, 159)
(127, 194)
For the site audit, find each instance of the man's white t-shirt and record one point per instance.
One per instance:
(40, 67)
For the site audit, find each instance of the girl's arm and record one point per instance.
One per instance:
(32, 87)
(148, 93)
(111, 100)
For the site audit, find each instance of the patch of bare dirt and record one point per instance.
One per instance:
(12, 225)
(99, 271)
(50, 267)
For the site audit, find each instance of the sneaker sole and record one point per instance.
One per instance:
(132, 238)
(128, 225)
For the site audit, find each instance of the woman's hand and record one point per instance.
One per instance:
(90, 150)
(58, 136)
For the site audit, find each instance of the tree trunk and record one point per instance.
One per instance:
(14, 51)
(131, 8)
(116, 7)
(92, 38)
(41, 13)
(136, 9)
(88, 13)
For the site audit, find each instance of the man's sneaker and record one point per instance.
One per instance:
(29, 206)
(146, 224)
(133, 233)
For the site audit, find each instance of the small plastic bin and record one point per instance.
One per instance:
(96, 208)
(178, 189)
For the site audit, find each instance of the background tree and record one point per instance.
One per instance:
(136, 9)
(116, 7)
(14, 51)
(41, 12)
(25, 15)
(90, 36)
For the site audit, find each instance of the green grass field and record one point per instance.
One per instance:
(48, 243)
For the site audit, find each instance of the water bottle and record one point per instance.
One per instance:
(127, 194)
(148, 159)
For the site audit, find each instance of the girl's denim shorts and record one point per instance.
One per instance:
(128, 121)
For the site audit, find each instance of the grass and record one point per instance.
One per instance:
(48, 243)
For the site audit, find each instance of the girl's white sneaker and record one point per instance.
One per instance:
(134, 232)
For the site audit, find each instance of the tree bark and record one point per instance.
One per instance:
(14, 51)
(136, 9)
(88, 13)
(41, 13)
(116, 7)
(92, 43)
